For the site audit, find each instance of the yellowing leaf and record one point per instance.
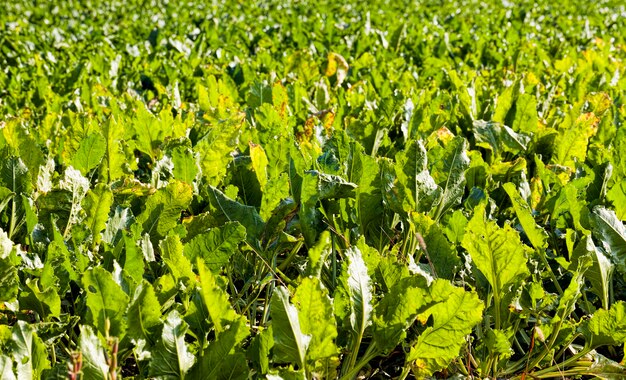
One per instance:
(259, 163)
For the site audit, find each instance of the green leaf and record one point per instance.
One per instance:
(259, 350)
(172, 255)
(318, 255)
(286, 374)
(112, 166)
(290, 343)
(90, 153)
(571, 295)
(132, 258)
(354, 299)
(604, 368)
(526, 118)
(275, 191)
(617, 196)
(220, 360)
(163, 208)
(58, 270)
(448, 170)
(455, 312)
(455, 227)
(317, 186)
(443, 255)
(149, 131)
(316, 318)
(567, 206)
(258, 94)
(29, 351)
(97, 204)
(93, 353)
(228, 210)
(504, 103)
(415, 178)
(571, 144)
(537, 235)
(498, 343)
(607, 327)
(144, 313)
(216, 246)
(46, 303)
(120, 220)
(364, 171)
(171, 358)
(106, 302)
(185, 166)
(217, 302)
(600, 272)
(612, 233)
(9, 280)
(329, 186)
(498, 253)
(215, 146)
(14, 175)
(499, 138)
(397, 310)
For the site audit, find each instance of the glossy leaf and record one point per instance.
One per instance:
(106, 302)
(612, 233)
(93, 355)
(290, 343)
(171, 357)
(29, 352)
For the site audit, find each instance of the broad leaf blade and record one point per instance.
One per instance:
(455, 312)
(163, 208)
(497, 252)
(171, 358)
(29, 351)
(106, 302)
(216, 301)
(216, 246)
(448, 169)
(173, 257)
(94, 359)
(601, 270)
(316, 318)
(97, 204)
(537, 236)
(612, 233)
(415, 178)
(228, 210)
(220, 360)
(6, 368)
(607, 327)
(290, 343)
(144, 313)
(90, 153)
(397, 311)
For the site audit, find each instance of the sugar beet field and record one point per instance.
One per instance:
(312, 190)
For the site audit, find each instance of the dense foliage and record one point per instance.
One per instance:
(295, 190)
